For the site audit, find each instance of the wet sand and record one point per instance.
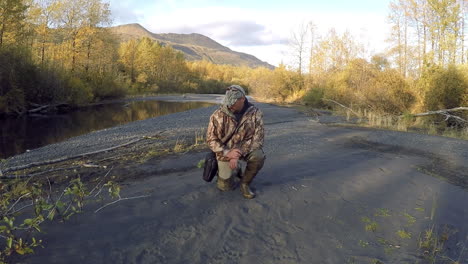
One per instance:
(327, 194)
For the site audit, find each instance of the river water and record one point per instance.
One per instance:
(19, 135)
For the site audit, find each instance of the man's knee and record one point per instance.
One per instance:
(224, 171)
(256, 156)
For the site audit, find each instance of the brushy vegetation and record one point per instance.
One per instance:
(60, 52)
(26, 204)
(434, 243)
(385, 99)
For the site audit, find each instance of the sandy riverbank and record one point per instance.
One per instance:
(327, 194)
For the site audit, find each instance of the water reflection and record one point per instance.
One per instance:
(29, 132)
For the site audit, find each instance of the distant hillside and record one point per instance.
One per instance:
(194, 46)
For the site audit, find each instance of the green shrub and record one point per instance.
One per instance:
(13, 102)
(314, 97)
(211, 86)
(389, 93)
(108, 86)
(79, 93)
(444, 88)
(17, 79)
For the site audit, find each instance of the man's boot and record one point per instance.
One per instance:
(224, 185)
(254, 164)
(246, 191)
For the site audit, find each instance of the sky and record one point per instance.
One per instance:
(262, 28)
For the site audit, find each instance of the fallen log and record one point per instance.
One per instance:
(47, 162)
(46, 108)
(38, 109)
(446, 113)
(333, 101)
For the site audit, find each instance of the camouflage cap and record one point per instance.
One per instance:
(233, 93)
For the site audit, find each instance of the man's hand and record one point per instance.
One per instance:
(234, 154)
(233, 163)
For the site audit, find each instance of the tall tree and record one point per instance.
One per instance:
(127, 57)
(42, 14)
(399, 13)
(12, 16)
(334, 52)
(80, 21)
(299, 45)
(445, 30)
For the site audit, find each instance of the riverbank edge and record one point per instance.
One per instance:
(325, 117)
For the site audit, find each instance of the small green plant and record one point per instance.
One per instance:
(431, 244)
(404, 234)
(370, 225)
(179, 146)
(199, 137)
(201, 163)
(113, 189)
(77, 191)
(363, 243)
(18, 237)
(382, 212)
(411, 219)
(427, 241)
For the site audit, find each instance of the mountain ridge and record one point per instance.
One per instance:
(194, 46)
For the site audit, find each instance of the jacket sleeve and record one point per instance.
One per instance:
(259, 131)
(213, 139)
(256, 141)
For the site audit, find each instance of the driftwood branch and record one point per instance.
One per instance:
(38, 109)
(47, 162)
(45, 108)
(100, 182)
(38, 173)
(442, 111)
(119, 200)
(333, 101)
(446, 113)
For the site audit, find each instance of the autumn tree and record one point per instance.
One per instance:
(127, 57)
(299, 43)
(399, 35)
(334, 52)
(427, 32)
(43, 15)
(12, 16)
(79, 24)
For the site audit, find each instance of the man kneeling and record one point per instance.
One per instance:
(236, 133)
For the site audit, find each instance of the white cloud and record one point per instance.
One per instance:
(261, 33)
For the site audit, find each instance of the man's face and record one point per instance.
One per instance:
(238, 105)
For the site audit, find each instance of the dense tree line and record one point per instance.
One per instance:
(428, 32)
(424, 67)
(60, 51)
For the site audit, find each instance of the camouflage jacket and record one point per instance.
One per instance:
(248, 136)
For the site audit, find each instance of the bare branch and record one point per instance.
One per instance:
(333, 101)
(95, 187)
(34, 164)
(47, 162)
(443, 111)
(121, 199)
(17, 201)
(38, 173)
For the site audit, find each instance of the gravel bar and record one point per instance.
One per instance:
(276, 118)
